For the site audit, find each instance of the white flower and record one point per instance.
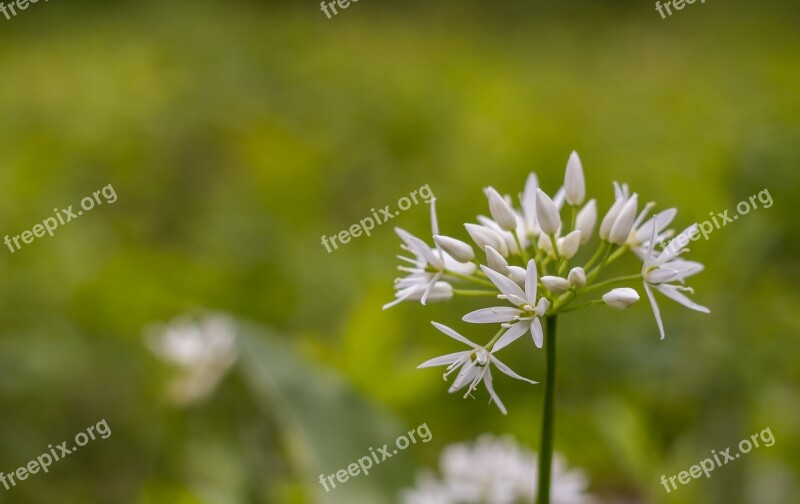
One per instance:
(429, 265)
(459, 250)
(574, 183)
(621, 229)
(473, 365)
(519, 320)
(586, 220)
(547, 213)
(501, 211)
(202, 351)
(640, 236)
(659, 269)
(495, 470)
(621, 298)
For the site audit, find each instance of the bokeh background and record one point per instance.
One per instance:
(237, 133)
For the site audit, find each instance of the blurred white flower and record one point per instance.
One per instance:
(586, 220)
(495, 471)
(201, 351)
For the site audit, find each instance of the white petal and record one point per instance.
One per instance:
(426, 251)
(620, 298)
(469, 372)
(656, 312)
(507, 286)
(487, 380)
(673, 292)
(536, 332)
(507, 370)
(531, 279)
(621, 229)
(674, 248)
(610, 217)
(517, 274)
(511, 335)
(444, 360)
(542, 306)
(434, 220)
(454, 334)
(433, 281)
(586, 220)
(491, 315)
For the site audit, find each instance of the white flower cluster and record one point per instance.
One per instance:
(519, 243)
(494, 471)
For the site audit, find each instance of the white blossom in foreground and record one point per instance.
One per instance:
(473, 366)
(547, 236)
(495, 471)
(201, 351)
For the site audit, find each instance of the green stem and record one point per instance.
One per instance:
(469, 278)
(546, 448)
(612, 281)
(469, 292)
(597, 254)
(583, 305)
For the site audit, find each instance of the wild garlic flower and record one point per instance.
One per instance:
(661, 268)
(428, 266)
(473, 366)
(548, 236)
(519, 320)
(494, 470)
(202, 352)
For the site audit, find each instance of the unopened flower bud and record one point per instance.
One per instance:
(621, 298)
(496, 261)
(501, 211)
(459, 250)
(547, 213)
(586, 220)
(622, 225)
(577, 277)
(574, 184)
(556, 285)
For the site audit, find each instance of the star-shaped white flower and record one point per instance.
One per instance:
(660, 268)
(427, 268)
(519, 320)
(473, 365)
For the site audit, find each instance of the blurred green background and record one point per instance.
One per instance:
(237, 133)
